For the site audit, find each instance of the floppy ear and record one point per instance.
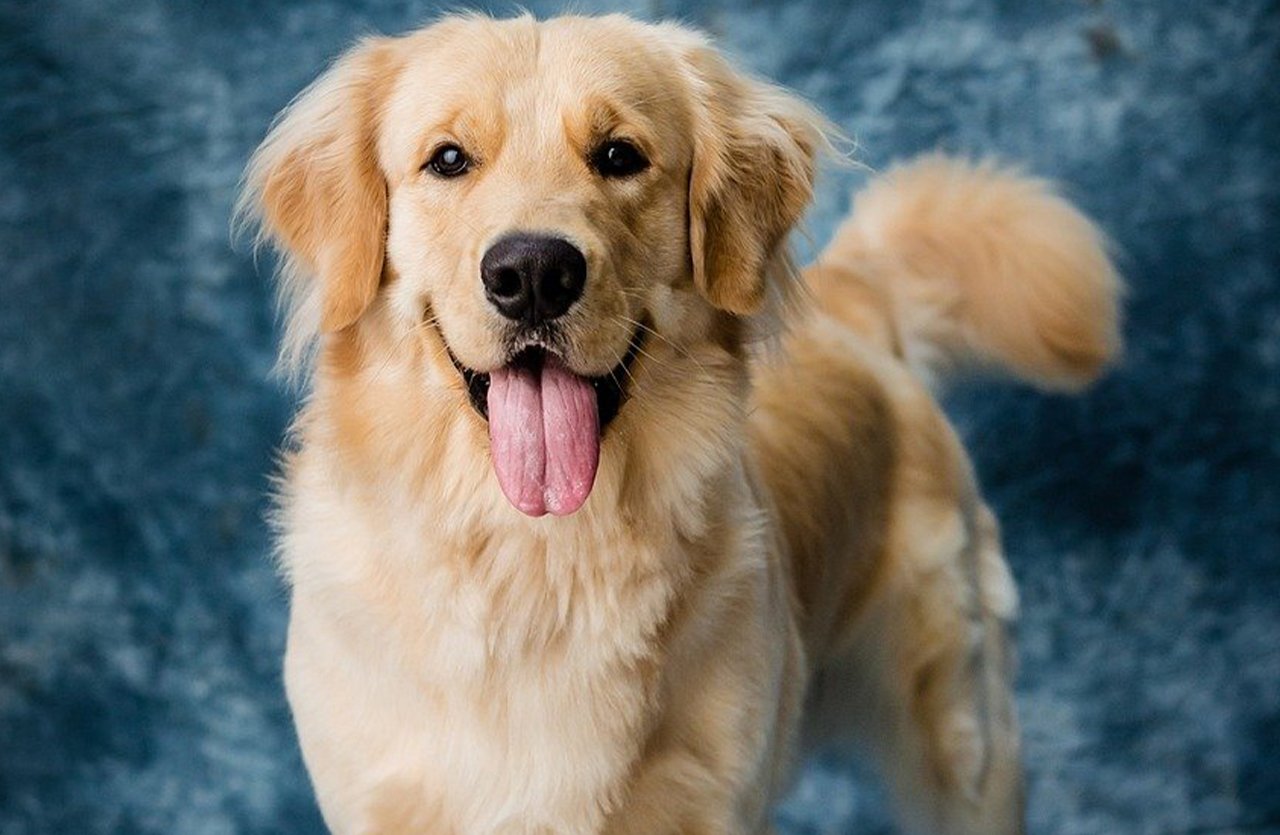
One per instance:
(755, 149)
(315, 189)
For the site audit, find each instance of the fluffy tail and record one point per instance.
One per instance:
(976, 267)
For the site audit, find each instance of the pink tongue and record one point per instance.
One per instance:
(544, 436)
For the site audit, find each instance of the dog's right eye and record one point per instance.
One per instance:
(449, 161)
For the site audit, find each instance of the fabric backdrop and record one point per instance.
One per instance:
(141, 622)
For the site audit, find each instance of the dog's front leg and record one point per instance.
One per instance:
(678, 795)
(723, 747)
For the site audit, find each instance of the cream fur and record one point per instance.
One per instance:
(640, 666)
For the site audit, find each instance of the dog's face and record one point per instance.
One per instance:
(543, 199)
(537, 188)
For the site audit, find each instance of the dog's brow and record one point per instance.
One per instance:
(459, 124)
(607, 118)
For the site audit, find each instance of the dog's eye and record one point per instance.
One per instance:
(618, 158)
(449, 161)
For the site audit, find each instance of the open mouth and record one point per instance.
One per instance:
(545, 425)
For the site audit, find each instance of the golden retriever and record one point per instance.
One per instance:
(592, 492)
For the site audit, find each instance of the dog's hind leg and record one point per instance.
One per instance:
(920, 680)
(897, 572)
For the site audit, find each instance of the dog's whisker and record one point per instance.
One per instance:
(393, 351)
(675, 346)
(382, 367)
(625, 370)
(650, 356)
(664, 364)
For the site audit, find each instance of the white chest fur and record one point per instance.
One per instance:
(456, 681)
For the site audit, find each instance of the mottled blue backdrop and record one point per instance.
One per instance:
(141, 623)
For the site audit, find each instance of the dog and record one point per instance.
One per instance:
(593, 494)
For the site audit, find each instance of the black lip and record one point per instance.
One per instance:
(611, 388)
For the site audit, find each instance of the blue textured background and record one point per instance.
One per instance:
(140, 621)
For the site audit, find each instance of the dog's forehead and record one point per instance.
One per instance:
(562, 61)
(483, 82)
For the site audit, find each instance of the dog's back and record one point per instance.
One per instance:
(895, 561)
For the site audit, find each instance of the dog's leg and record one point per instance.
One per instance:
(922, 678)
(897, 569)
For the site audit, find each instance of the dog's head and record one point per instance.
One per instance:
(549, 200)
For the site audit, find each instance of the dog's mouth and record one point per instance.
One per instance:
(545, 424)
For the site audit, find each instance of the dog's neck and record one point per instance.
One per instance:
(391, 445)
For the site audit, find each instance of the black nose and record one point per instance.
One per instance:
(533, 278)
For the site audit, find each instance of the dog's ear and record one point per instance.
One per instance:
(315, 189)
(755, 149)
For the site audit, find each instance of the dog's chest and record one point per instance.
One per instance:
(540, 750)
(499, 699)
